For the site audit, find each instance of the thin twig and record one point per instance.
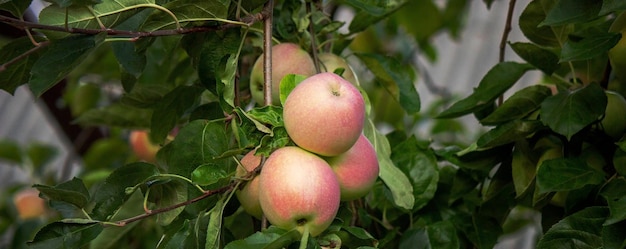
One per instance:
(267, 53)
(505, 35)
(309, 10)
(23, 55)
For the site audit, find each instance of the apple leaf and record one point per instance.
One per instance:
(66, 234)
(613, 192)
(568, 112)
(165, 192)
(529, 22)
(170, 109)
(572, 11)
(288, 83)
(499, 79)
(582, 229)
(508, 133)
(441, 235)
(519, 105)
(254, 241)
(187, 11)
(214, 229)
(398, 182)
(117, 115)
(110, 196)
(17, 74)
(563, 174)
(397, 78)
(420, 165)
(370, 12)
(545, 60)
(609, 6)
(210, 173)
(16, 7)
(68, 3)
(588, 47)
(72, 191)
(61, 57)
(523, 168)
(482, 231)
(10, 151)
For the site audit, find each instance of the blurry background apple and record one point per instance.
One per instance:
(143, 148)
(330, 62)
(28, 204)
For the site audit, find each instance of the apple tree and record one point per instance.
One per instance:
(199, 76)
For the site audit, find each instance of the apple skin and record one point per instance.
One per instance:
(356, 169)
(299, 189)
(614, 121)
(28, 204)
(324, 114)
(330, 62)
(249, 195)
(287, 58)
(143, 148)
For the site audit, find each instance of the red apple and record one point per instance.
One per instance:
(249, 195)
(356, 169)
(143, 148)
(324, 114)
(330, 62)
(287, 58)
(299, 191)
(28, 204)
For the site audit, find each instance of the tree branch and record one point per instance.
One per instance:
(505, 36)
(267, 54)
(24, 55)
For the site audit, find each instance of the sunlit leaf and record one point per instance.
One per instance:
(209, 173)
(187, 11)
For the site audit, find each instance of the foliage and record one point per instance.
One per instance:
(183, 66)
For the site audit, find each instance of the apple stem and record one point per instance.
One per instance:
(305, 238)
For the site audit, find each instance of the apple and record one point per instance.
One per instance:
(28, 204)
(324, 114)
(287, 58)
(617, 54)
(356, 169)
(330, 62)
(299, 191)
(614, 121)
(248, 195)
(143, 148)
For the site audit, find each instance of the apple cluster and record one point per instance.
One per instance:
(301, 186)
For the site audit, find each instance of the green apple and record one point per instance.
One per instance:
(617, 54)
(287, 58)
(324, 114)
(28, 204)
(143, 148)
(330, 62)
(248, 195)
(614, 121)
(356, 169)
(299, 191)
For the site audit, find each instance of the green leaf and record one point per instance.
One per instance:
(170, 109)
(572, 11)
(117, 115)
(420, 165)
(254, 241)
(499, 79)
(588, 47)
(72, 191)
(60, 58)
(10, 151)
(65, 234)
(110, 196)
(16, 7)
(613, 192)
(210, 173)
(187, 11)
(545, 60)
(167, 194)
(482, 231)
(214, 229)
(529, 22)
(68, 3)
(41, 154)
(226, 78)
(580, 230)
(17, 73)
(424, 12)
(519, 105)
(508, 133)
(288, 83)
(397, 78)
(568, 112)
(609, 6)
(370, 12)
(438, 235)
(563, 174)
(397, 182)
(523, 167)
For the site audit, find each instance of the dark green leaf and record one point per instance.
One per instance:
(187, 11)
(581, 230)
(420, 165)
(397, 78)
(18, 73)
(72, 191)
(523, 167)
(168, 194)
(588, 47)
(613, 192)
(61, 57)
(613, 236)
(572, 11)
(438, 235)
(65, 234)
(68, 3)
(529, 22)
(15, 7)
(118, 115)
(508, 133)
(568, 112)
(519, 105)
(41, 154)
(254, 241)
(563, 174)
(112, 194)
(130, 60)
(482, 231)
(10, 151)
(170, 109)
(370, 12)
(609, 6)
(284, 240)
(499, 79)
(209, 173)
(545, 60)
(425, 12)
